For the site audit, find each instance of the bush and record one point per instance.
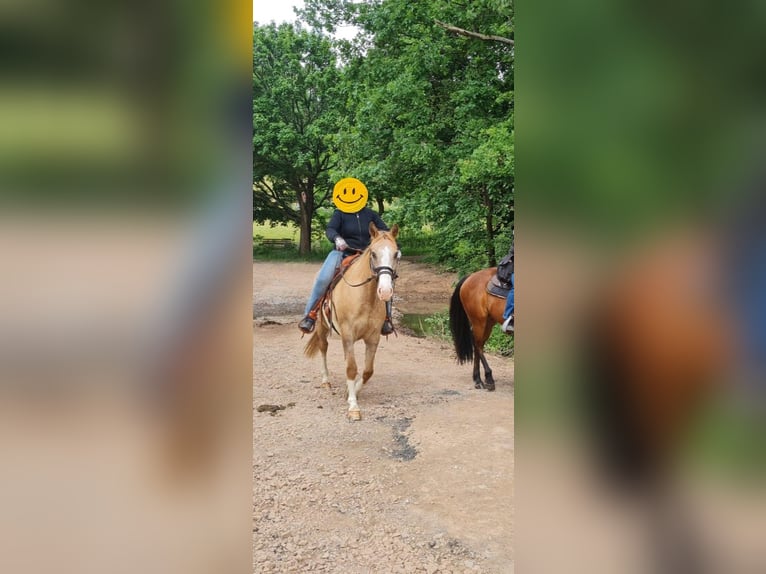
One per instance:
(437, 325)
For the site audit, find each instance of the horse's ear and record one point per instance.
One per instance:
(373, 230)
(395, 230)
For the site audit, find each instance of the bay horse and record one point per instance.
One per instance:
(472, 314)
(356, 310)
(659, 341)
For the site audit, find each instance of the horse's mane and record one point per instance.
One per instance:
(381, 235)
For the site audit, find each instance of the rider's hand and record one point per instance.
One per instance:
(340, 244)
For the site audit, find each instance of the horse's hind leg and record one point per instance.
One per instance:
(489, 381)
(477, 382)
(322, 335)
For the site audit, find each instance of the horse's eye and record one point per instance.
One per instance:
(374, 255)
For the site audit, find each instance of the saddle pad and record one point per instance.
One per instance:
(497, 288)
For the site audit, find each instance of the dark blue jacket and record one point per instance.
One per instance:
(354, 227)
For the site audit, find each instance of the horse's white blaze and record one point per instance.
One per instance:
(385, 281)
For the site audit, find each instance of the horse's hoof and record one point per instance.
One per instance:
(355, 415)
(490, 389)
(478, 385)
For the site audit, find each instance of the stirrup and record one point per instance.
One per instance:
(390, 324)
(307, 323)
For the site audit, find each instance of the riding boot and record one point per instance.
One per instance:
(388, 324)
(307, 324)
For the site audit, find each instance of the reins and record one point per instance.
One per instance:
(376, 272)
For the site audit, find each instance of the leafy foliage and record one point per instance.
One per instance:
(297, 109)
(423, 116)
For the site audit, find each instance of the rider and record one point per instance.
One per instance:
(349, 231)
(505, 274)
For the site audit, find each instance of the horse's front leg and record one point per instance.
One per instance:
(489, 381)
(352, 382)
(371, 347)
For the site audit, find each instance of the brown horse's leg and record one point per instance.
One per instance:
(477, 382)
(479, 359)
(489, 381)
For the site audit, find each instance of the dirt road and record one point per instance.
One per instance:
(422, 484)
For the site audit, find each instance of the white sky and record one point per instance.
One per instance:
(264, 11)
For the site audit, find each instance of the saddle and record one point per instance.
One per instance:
(498, 288)
(324, 300)
(500, 284)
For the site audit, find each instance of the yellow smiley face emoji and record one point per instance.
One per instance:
(349, 195)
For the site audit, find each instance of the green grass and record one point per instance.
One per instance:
(412, 244)
(728, 441)
(286, 231)
(437, 326)
(416, 244)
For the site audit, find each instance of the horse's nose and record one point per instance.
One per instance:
(384, 293)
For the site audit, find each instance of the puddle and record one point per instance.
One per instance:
(416, 323)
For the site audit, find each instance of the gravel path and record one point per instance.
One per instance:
(422, 484)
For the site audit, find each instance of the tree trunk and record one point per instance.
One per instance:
(304, 247)
(380, 205)
(490, 228)
(306, 203)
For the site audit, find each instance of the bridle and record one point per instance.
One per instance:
(376, 272)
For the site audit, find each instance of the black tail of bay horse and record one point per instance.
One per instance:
(460, 327)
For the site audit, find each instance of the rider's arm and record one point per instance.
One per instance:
(379, 223)
(333, 227)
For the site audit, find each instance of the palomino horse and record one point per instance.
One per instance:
(357, 311)
(472, 314)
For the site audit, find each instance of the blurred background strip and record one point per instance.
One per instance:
(125, 339)
(640, 302)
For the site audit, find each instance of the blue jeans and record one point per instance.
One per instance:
(509, 300)
(325, 275)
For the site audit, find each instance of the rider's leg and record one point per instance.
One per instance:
(322, 281)
(508, 313)
(323, 278)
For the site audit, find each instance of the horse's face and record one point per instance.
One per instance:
(383, 259)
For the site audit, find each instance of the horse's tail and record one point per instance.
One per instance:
(460, 326)
(312, 346)
(613, 422)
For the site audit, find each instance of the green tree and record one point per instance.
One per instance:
(298, 106)
(431, 115)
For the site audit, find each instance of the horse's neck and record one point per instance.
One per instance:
(359, 269)
(359, 272)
